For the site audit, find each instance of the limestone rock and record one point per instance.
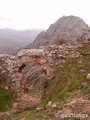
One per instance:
(88, 76)
(64, 29)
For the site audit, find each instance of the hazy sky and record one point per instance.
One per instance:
(28, 14)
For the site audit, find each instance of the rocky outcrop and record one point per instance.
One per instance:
(38, 65)
(11, 78)
(66, 28)
(30, 69)
(30, 73)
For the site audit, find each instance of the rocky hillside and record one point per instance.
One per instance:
(66, 28)
(46, 83)
(52, 80)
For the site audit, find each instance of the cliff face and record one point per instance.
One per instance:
(66, 28)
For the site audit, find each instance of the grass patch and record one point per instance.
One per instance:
(33, 93)
(40, 114)
(69, 79)
(5, 100)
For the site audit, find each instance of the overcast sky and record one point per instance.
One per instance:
(39, 14)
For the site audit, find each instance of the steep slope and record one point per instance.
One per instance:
(12, 40)
(48, 82)
(66, 28)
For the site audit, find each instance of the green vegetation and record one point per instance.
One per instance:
(40, 114)
(5, 100)
(69, 79)
(31, 115)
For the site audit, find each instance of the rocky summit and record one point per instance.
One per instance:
(65, 28)
(51, 82)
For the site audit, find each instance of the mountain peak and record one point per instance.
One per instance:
(66, 28)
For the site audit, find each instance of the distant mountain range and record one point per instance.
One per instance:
(65, 28)
(12, 40)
